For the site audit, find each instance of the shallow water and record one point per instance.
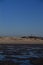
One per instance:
(20, 53)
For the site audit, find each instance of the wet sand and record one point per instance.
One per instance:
(20, 54)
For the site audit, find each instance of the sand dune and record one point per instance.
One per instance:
(14, 40)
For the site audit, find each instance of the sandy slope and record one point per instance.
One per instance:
(14, 40)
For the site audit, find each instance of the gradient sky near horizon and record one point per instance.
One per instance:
(21, 17)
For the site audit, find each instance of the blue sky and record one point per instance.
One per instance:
(21, 17)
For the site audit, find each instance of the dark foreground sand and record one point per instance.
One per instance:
(33, 61)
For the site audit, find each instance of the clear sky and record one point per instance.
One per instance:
(21, 17)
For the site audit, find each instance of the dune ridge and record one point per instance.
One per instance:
(16, 40)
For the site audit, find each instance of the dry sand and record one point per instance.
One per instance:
(13, 40)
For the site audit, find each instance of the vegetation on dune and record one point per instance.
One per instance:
(32, 37)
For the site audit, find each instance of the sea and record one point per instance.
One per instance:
(22, 54)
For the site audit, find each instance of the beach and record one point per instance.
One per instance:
(15, 40)
(21, 51)
(19, 54)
